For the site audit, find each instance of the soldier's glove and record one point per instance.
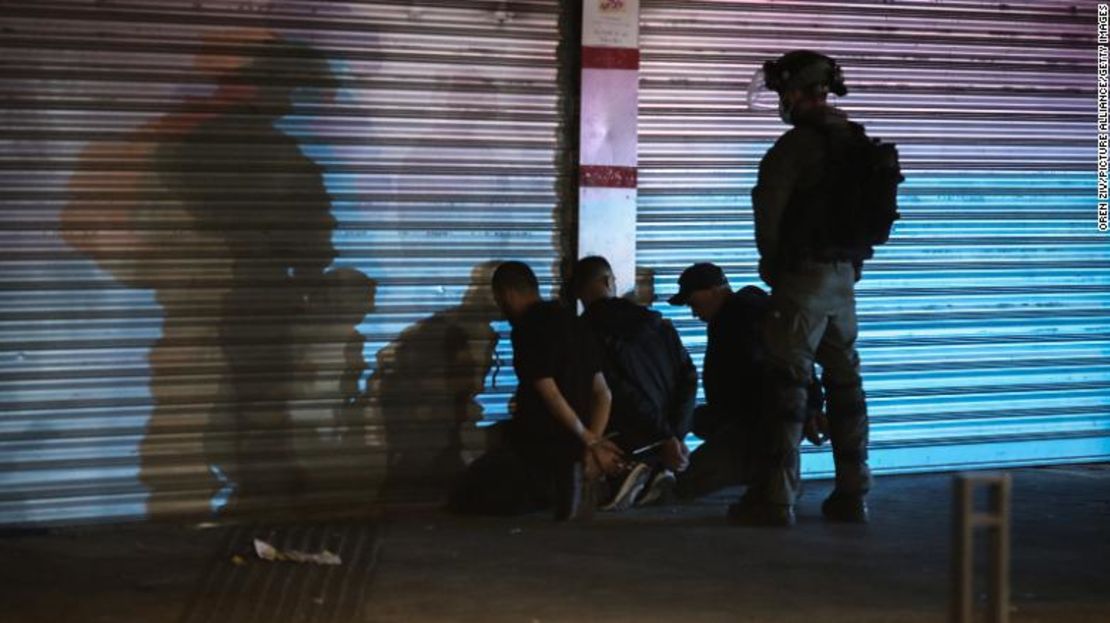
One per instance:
(816, 428)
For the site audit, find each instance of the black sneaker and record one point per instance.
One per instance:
(845, 508)
(748, 512)
(660, 490)
(631, 485)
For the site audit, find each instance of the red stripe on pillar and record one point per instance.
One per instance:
(607, 177)
(610, 58)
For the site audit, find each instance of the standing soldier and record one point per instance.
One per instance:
(819, 208)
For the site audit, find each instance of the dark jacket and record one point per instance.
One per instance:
(653, 381)
(732, 373)
(793, 166)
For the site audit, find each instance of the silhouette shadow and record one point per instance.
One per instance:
(228, 221)
(425, 387)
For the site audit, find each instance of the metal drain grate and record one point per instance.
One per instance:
(260, 591)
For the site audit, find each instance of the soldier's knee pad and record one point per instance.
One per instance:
(780, 449)
(845, 401)
(786, 394)
(841, 371)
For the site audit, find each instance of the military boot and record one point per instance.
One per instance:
(845, 507)
(753, 509)
(849, 432)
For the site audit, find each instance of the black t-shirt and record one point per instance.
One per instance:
(551, 342)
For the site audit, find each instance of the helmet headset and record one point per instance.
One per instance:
(796, 70)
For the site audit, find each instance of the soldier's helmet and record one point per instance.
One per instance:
(800, 69)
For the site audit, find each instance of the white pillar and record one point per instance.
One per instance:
(607, 148)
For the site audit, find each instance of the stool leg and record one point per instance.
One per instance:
(1000, 491)
(961, 551)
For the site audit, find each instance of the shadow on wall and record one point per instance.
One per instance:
(223, 216)
(426, 385)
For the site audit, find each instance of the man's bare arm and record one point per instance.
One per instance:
(600, 405)
(599, 408)
(558, 406)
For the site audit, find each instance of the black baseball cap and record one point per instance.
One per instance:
(698, 277)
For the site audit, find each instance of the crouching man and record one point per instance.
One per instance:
(653, 381)
(733, 420)
(555, 441)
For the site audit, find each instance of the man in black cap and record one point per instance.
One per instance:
(810, 257)
(732, 422)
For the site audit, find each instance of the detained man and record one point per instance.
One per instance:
(555, 441)
(652, 379)
(731, 420)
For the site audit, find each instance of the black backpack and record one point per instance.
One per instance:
(853, 208)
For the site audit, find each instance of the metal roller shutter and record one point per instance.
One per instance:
(984, 323)
(245, 245)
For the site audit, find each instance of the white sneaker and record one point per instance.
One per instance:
(634, 482)
(661, 486)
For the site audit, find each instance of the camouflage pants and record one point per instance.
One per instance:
(813, 318)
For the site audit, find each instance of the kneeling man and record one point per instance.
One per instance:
(555, 440)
